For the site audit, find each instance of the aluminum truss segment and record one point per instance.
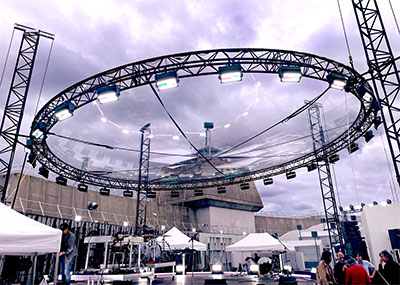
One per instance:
(16, 99)
(143, 181)
(384, 72)
(325, 178)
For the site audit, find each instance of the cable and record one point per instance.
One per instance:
(44, 76)
(8, 53)
(394, 16)
(182, 132)
(345, 35)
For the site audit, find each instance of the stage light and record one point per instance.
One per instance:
(108, 94)
(174, 194)
(268, 181)
(44, 172)
(365, 92)
(368, 136)
(82, 187)
(336, 81)
(104, 191)
(167, 80)
(39, 129)
(125, 224)
(230, 73)
(254, 269)
(388, 201)
(61, 181)
(312, 167)
(216, 269)
(32, 159)
(289, 73)
(290, 175)
(64, 111)
(353, 147)
(351, 207)
(151, 194)
(375, 203)
(333, 158)
(29, 146)
(128, 194)
(362, 205)
(221, 190)
(92, 206)
(208, 125)
(78, 218)
(377, 122)
(198, 192)
(244, 186)
(341, 209)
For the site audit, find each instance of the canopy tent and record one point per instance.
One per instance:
(262, 242)
(178, 240)
(20, 235)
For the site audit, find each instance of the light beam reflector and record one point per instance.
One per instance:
(108, 94)
(290, 73)
(230, 73)
(167, 80)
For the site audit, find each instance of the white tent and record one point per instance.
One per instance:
(262, 242)
(20, 235)
(178, 240)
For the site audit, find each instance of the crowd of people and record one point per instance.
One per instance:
(350, 270)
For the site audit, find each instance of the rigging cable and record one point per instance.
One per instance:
(8, 53)
(345, 36)
(394, 16)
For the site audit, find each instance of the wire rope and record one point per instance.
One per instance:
(345, 36)
(394, 16)
(8, 54)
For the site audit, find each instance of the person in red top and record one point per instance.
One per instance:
(356, 274)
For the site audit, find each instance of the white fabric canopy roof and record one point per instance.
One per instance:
(20, 235)
(178, 240)
(262, 242)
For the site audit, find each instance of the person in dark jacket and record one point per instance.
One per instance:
(68, 253)
(388, 268)
(340, 269)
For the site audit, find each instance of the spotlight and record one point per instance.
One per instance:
(82, 187)
(92, 205)
(333, 158)
(230, 73)
(353, 147)
(362, 205)
(377, 122)
(216, 269)
(64, 111)
(368, 136)
(174, 194)
(336, 81)
(32, 159)
(341, 209)
(167, 80)
(104, 191)
(44, 172)
(268, 181)
(128, 194)
(151, 194)
(244, 186)
(39, 129)
(29, 146)
(221, 190)
(289, 73)
(198, 192)
(388, 201)
(365, 91)
(311, 167)
(375, 203)
(208, 125)
(61, 181)
(351, 207)
(108, 94)
(290, 175)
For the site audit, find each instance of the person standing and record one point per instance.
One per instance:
(371, 270)
(340, 269)
(356, 274)
(324, 270)
(68, 253)
(388, 268)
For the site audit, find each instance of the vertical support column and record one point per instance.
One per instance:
(143, 180)
(325, 178)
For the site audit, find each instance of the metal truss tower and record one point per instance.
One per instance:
(16, 99)
(325, 178)
(383, 71)
(143, 180)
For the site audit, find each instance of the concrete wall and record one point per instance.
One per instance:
(376, 221)
(281, 225)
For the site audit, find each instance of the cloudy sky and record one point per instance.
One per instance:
(93, 36)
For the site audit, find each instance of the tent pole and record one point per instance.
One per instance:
(56, 269)
(34, 268)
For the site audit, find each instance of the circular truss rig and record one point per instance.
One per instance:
(192, 64)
